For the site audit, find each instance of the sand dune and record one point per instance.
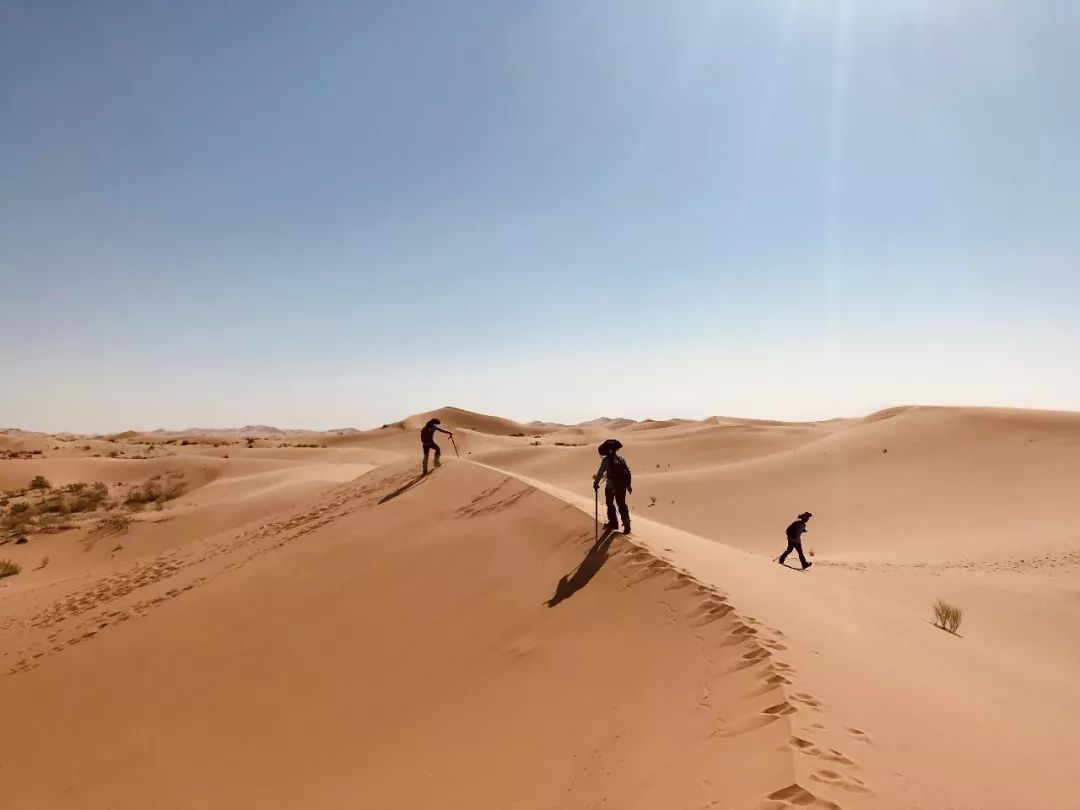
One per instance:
(323, 627)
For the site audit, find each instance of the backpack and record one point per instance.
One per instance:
(618, 472)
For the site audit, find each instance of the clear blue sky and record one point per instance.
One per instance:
(329, 213)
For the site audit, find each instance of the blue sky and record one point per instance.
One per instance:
(334, 213)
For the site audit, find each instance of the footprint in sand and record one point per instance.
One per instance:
(780, 709)
(795, 795)
(837, 780)
(858, 734)
(807, 699)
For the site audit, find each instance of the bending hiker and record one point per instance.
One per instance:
(617, 471)
(427, 439)
(794, 540)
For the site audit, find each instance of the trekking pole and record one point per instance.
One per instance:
(456, 453)
(596, 516)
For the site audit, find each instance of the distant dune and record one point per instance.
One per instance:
(264, 618)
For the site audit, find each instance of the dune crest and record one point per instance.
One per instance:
(311, 620)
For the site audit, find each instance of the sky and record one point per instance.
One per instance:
(327, 213)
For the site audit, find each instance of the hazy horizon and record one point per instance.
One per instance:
(336, 214)
(522, 420)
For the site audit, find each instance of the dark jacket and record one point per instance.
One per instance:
(427, 434)
(617, 471)
(796, 529)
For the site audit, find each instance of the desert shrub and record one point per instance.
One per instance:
(88, 498)
(113, 524)
(39, 482)
(518, 435)
(53, 506)
(8, 568)
(20, 508)
(53, 522)
(536, 444)
(44, 562)
(78, 486)
(154, 491)
(946, 616)
(652, 500)
(113, 454)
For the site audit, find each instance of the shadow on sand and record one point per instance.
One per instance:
(403, 489)
(579, 578)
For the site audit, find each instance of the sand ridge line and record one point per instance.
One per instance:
(761, 644)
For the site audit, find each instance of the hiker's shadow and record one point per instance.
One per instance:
(402, 490)
(594, 560)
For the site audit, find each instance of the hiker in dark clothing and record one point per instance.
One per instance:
(427, 439)
(794, 540)
(617, 472)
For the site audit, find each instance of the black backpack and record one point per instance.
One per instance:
(618, 472)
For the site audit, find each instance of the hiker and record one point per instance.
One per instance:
(427, 439)
(617, 471)
(794, 540)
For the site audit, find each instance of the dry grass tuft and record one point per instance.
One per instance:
(946, 616)
(9, 569)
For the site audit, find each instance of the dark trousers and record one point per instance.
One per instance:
(429, 446)
(616, 495)
(796, 546)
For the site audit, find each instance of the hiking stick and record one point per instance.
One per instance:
(456, 453)
(596, 516)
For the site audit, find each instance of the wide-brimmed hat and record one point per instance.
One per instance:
(609, 446)
(805, 516)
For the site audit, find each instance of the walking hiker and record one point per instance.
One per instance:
(794, 540)
(427, 439)
(617, 472)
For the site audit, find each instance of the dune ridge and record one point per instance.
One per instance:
(318, 622)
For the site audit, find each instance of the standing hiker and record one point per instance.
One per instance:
(794, 540)
(617, 471)
(427, 439)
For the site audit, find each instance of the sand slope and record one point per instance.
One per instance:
(321, 627)
(447, 642)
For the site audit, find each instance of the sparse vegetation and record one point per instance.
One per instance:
(536, 443)
(53, 522)
(567, 444)
(156, 491)
(43, 563)
(9, 569)
(113, 524)
(946, 616)
(517, 435)
(652, 500)
(8, 455)
(39, 482)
